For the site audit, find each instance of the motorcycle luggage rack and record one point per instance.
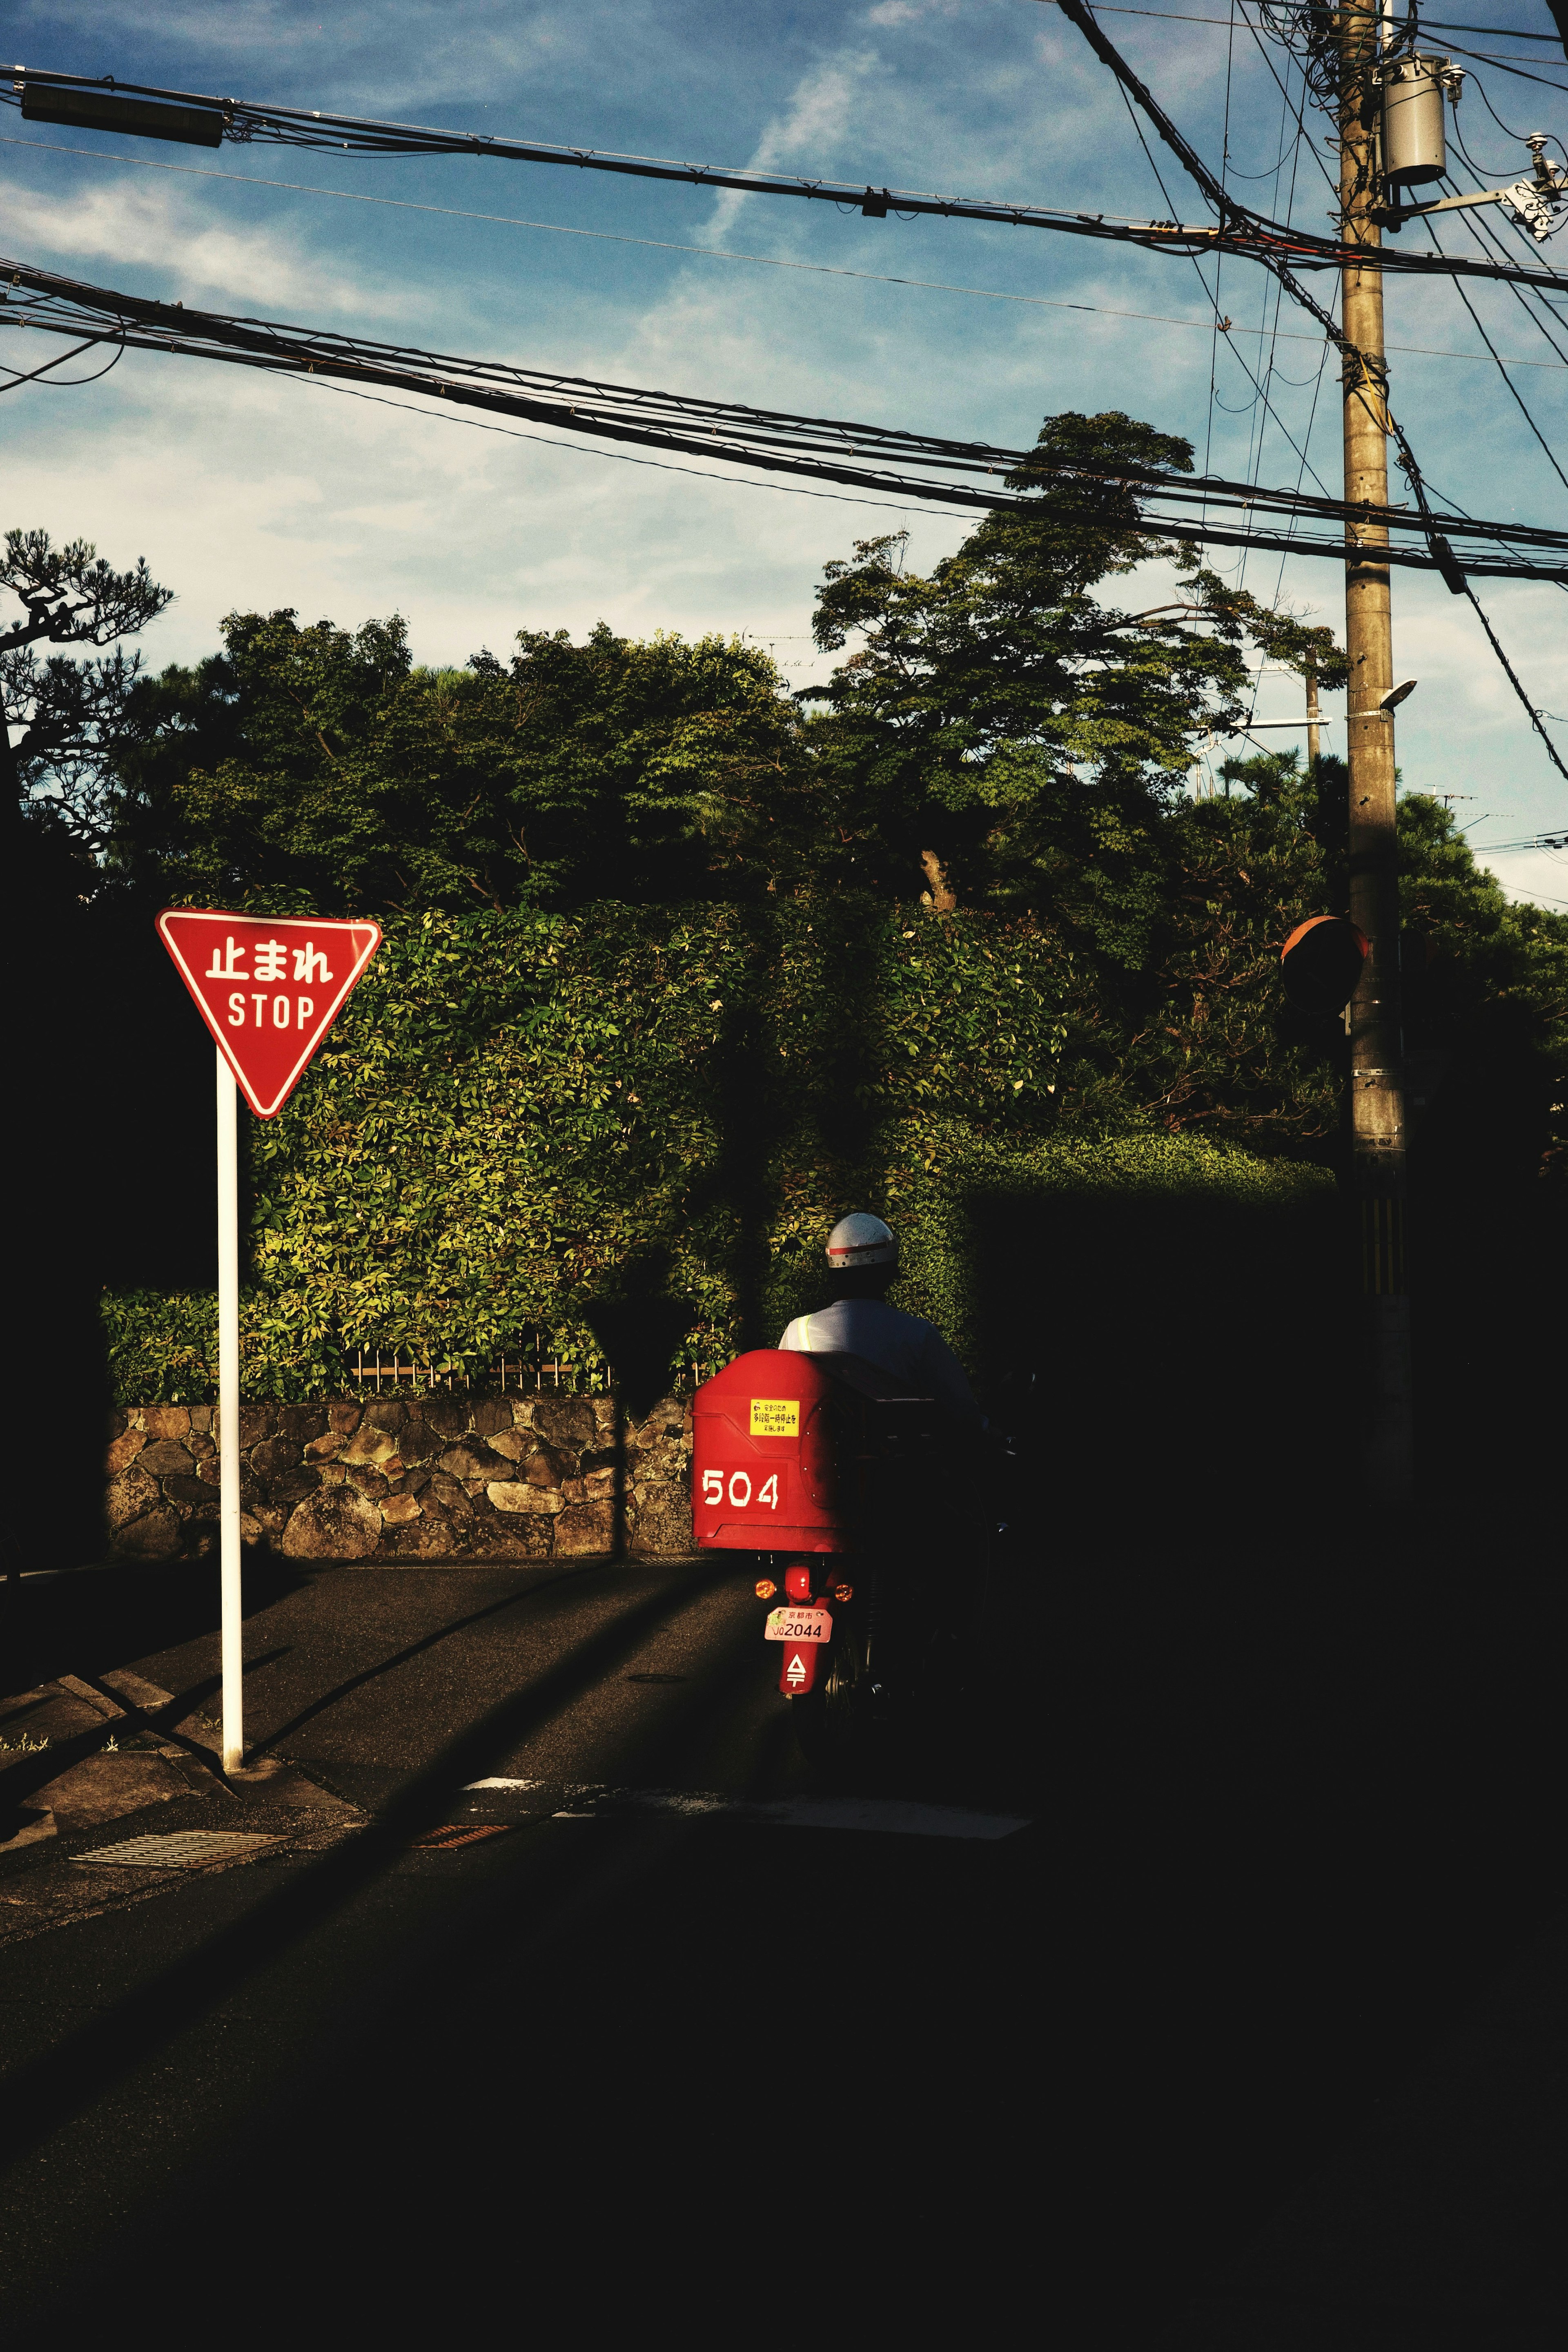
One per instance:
(896, 1416)
(869, 1381)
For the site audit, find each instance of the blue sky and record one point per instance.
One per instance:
(245, 492)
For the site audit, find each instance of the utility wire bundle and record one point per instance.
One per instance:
(870, 456)
(145, 111)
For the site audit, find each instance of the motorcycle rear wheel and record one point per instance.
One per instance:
(833, 1723)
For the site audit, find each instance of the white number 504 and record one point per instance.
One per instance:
(740, 1490)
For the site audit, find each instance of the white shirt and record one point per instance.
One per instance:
(905, 1346)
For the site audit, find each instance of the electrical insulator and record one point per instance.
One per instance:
(1413, 144)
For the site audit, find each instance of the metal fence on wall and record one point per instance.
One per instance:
(378, 1370)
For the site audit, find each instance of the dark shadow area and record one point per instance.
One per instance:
(796, 1074)
(96, 1619)
(1488, 1266)
(154, 1186)
(641, 1330)
(1290, 1819)
(115, 1133)
(841, 1087)
(747, 1114)
(61, 1062)
(1193, 1351)
(640, 1327)
(41, 2095)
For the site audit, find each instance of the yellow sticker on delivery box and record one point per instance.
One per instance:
(775, 1417)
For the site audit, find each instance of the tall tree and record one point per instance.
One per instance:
(1001, 734)
(69, 714)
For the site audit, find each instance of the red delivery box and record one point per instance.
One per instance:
(764, 1471)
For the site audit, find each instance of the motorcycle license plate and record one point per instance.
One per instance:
(798, 1625)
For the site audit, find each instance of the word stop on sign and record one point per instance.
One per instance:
(268, 988)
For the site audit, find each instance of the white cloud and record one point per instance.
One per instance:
(1537, 874)
(900, 12)
(811, 128)
(121, 219)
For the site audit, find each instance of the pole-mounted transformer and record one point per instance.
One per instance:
(1414, 148)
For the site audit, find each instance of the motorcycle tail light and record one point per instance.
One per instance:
(843, 1593)
(766, 1587)
(798, 1583)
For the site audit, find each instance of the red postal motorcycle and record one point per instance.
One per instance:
(838, 1480)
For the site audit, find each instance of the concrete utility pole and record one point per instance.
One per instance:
(1383, 1404)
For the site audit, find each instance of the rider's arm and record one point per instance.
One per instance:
(948, 1380)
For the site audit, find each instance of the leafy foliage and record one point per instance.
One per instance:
(658, 1002)
(1009, 734)
(70, 714)
(319, 761)
(645, 1117)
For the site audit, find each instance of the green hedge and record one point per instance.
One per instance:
(630, 1127)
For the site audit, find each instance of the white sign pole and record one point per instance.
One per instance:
(228, 1413)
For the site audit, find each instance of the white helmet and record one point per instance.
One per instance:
(858, 1241)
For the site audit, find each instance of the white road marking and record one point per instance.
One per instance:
(502, 1783)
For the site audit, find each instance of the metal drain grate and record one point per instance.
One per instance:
(181, 1850)
(456, 1833)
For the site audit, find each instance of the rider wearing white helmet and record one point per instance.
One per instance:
(862, 1259)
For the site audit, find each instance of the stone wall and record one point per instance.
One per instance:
(434, 1476)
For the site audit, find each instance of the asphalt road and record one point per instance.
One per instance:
(1243, 2037)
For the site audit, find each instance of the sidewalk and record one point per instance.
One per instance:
(355, 1681)
(125, 1759)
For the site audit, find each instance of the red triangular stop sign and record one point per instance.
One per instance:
(268, 987)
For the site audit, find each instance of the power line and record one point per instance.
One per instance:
(865, 456)
(1368, 379)
(1482, 170)
(1490, 57)
(1482, 231)
(1219, 326)
(1442, 553)
(1536, 841)
(1513, 388)
(1323, 358)
(1493, 32)
(1491, 110)
(1303, 134)
(1513, 679)
(40, 374)
(595, 450)
(707, 252)
(1430, 24)
(205, 121)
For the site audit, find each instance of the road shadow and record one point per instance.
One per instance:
(1192, 1353)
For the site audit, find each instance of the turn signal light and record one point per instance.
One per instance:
(766, 1587)
(843, 1593)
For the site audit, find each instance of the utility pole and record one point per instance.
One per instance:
(1383, 1403)
(1314, 734)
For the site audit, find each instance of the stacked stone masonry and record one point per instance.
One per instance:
(433, 1477)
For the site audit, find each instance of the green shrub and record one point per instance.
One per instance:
(630, 1128)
